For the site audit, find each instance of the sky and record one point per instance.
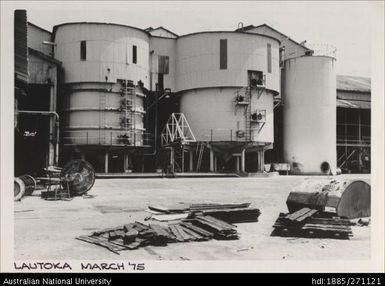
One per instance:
(347, 25)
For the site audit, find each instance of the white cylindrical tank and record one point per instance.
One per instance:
(208, 91)
(109, 52)
(97, 60)
(309, 123)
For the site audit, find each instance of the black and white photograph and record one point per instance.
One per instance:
(179, 136)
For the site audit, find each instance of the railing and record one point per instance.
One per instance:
(109, 138)
(323, 50)
(232, 135)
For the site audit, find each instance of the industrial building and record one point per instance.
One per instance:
(146, 100)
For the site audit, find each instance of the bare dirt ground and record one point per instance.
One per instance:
(47, 229)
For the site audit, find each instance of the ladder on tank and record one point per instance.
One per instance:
(128, 108)
(102, 118)
(248, 129)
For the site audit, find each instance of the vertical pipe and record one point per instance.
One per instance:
(243, 160)
(191, 161)
(125, 161)
(211, 160)
(182, 159)
(106, 162)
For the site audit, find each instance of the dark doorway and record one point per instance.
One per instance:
(32, 132)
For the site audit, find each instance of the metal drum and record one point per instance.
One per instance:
(80, 176)
(23, 185)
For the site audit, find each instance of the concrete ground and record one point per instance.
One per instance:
(47, 229)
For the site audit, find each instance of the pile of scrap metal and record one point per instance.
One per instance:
(76, 178)
(325, 213)
(197, 226)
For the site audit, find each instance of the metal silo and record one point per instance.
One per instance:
(227, 82)
(309, 106)
(106, 70)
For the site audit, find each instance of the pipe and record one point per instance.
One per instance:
(49, 113)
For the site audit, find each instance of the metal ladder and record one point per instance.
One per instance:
(128, 110)
(248, 130)
(102, 118)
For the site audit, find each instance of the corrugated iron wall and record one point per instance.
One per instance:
(21, 50)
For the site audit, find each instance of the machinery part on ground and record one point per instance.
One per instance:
(348, 199)
(23, 185)
(80, 176)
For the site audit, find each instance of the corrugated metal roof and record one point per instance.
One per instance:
(357, 104)
(353, 83)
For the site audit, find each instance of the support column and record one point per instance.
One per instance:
(51, 144)
(243, 160)
(125, 161)
(191, 161)
(236, 165)
(172, 159)
(261, 161)
(211, 160)
(106, 162)
(215, 164)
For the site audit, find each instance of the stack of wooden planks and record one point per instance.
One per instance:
(311, 223)
(135, 235)
(230, 213)
(220, 229)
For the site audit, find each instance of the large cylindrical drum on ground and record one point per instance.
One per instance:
(23, 185)
(309, 124)
(344, 198)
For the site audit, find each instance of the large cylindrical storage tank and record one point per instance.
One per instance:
(212, 69)
(309, 106)
(105, 71)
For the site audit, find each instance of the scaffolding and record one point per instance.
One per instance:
(175, 136)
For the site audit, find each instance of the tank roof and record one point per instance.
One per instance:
(97, 23)
(231, 32)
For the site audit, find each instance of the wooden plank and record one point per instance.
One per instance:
(198, 230)
(293, 216)
(307, 215)
(238, 215)
(105, 244)
(130, 236)
(178, 233)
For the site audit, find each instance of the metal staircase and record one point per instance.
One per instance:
(199, 151)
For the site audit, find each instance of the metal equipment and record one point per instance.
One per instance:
(80, 176)
(23, 185)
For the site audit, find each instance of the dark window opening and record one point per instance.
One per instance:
(134, 55)
(269, 58)
(223, 54)
(83, 50)
(163, 64)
